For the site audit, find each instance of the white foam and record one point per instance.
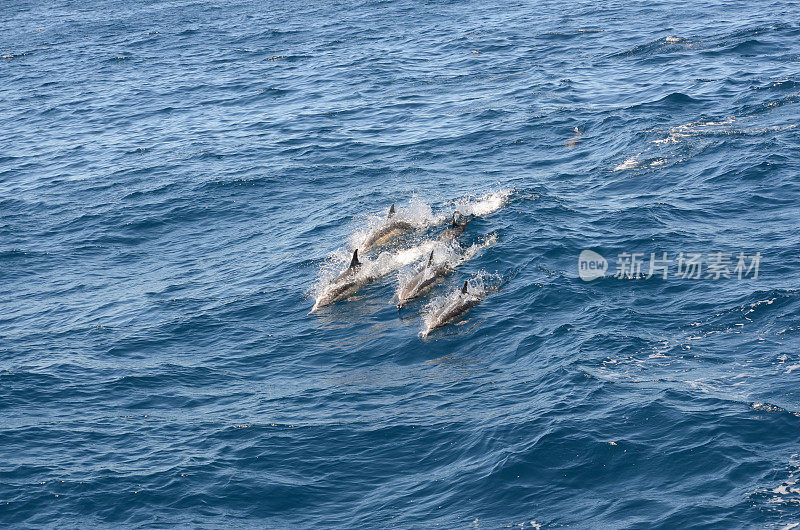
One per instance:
(388, 261)
(696, 128)
(765, 407)
(787, 492)
(482, 204)
(630, 163)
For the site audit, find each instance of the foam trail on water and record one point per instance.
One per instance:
(388, 262)
(482, 204)
(473, 249)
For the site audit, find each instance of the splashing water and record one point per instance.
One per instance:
(629, 163)
(483, 204)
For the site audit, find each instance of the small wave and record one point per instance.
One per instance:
(670, 100)
(787, 493)
(695, 128)
(786, 84)
(765, 407)
(751, 47)
(652, 162)
(667, 44)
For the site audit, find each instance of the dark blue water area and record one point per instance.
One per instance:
(176, 176)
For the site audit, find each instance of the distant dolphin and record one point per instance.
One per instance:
(456, 228)
(460, 303)
(422, 280)
(345, 284)
(389, 229)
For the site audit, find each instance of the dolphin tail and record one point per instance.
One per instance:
(391, 211)
(464, 289)
(354, 263)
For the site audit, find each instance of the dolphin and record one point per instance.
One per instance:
(389, 229)
(456, 227)
(422, 280)
(345, 284)
(457, 305)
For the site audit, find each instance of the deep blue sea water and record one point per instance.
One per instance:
(176, 178)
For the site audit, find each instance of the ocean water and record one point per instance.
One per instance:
(179, 180)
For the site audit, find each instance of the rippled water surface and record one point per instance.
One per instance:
(180, 179)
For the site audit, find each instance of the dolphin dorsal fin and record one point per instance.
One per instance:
(354, 263)
(430, 259)
(391, 211)
(464, 289)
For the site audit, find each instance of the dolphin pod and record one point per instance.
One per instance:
(437, 266)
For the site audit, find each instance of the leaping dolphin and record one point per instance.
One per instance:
(460, 302)
(345, 284)
(422, 280)
(389, 229)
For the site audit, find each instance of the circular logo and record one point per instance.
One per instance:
(591, 265)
